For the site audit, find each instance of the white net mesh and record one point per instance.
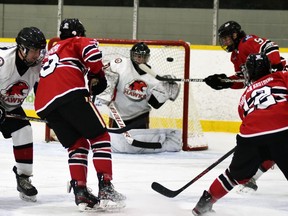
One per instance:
(166, 57)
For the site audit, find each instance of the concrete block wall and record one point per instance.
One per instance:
(192, 25)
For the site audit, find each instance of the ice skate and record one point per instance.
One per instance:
(110, 198)
(84, 199)
(204, 205)
(248, 187)
(27, 191)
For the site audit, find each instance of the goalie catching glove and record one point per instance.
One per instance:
(218, 81)
(97, 83)
(167, 90)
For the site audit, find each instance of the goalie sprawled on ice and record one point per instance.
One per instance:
(134, 93)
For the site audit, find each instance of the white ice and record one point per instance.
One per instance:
(133, 175)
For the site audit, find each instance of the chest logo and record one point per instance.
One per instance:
(136, 90)
(15, 93)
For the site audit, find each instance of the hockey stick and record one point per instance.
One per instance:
(148, 70)
(170, 193)
(127, 135)
(110, 130)
(28, 118)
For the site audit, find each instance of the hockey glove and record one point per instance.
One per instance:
(2, 114)
(218, 81)
(169, 77)
(172, 87)
(97, 83)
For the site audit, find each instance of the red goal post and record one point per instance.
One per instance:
(167, 57)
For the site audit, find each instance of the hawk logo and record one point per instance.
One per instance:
(17, 89)
(138, 85)
(136, 90)
(15, 93)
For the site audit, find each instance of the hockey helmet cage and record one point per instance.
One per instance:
(140, 50)
(227, 30)
(71, 28)
(256, 66)
(31, 37)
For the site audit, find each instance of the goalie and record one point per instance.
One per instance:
(134, 92)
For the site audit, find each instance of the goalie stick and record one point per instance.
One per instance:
(127, 135)
(148, 70)
(170, 193)
(110, 130)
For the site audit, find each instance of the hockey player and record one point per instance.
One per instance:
(264, 98)
(19, 72)
(233, 39)
(132, 90)
(63, 99)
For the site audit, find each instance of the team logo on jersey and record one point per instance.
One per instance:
(136, 90)
(118, 60)
(15, 93)
(1, 61)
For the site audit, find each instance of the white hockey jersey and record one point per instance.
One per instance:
(132, 87)
(14, 88)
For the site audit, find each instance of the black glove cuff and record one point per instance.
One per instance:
(218, 81)
(100, 86)
(2, 114)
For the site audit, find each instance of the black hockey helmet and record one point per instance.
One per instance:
(71, 28)
(256, 66)
(140, 50)
(227, 30)
(31, 38)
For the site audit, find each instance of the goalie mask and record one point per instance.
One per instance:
(256, 66)
(230, 34)
(71, 28)
(140, 53)
(31, 43)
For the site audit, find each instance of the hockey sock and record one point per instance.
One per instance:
(78, 163)
(222, 185)
(266, 165)
(102, 158)
(23, 150)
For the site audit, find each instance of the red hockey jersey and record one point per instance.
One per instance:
(263, 106)
(252, 44)
(62, 75)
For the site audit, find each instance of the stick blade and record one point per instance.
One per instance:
(163, 190)
(147, 145)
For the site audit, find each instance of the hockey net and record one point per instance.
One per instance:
(166, 57)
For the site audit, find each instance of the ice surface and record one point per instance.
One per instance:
(133, 175)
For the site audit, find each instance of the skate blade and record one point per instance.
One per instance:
(245, 190)
(109, 205)
(104, 206)
(208, 213)
(28, 198)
